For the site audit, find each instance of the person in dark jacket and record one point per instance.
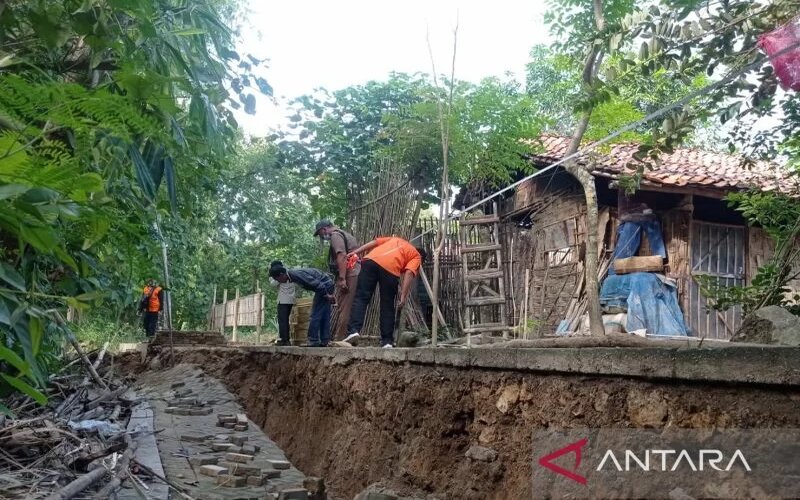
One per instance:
(314, 280)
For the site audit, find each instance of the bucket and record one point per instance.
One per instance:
(299, 320)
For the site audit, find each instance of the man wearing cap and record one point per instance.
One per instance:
(392, 263)
(345, 273)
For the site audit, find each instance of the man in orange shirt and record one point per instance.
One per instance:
(151, 303)
(390, 260)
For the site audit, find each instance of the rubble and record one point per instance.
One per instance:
(769, 325)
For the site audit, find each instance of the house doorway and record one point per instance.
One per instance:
(717, 251)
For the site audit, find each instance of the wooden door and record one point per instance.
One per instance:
(717, 250)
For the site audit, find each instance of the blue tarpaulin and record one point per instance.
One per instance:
(651, 302)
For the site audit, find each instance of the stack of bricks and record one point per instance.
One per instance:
(184, 403)
(231, 461)
(236, 422)
(180, 337)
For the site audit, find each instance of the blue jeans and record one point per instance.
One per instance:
(629, 238)
(319, 326)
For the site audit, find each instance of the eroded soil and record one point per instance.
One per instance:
(409, 426)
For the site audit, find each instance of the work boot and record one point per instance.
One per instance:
(283, 343)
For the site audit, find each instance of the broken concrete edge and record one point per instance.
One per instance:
(742, 364)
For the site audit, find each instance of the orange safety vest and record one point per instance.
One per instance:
(153, 305)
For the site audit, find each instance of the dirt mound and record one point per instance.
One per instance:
(411, 427)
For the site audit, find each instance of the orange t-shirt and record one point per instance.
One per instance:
(395, 255)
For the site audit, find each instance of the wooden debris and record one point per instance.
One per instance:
(647, 264)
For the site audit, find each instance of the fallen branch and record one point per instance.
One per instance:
(123, 469)
(164, 480)
(78, 485)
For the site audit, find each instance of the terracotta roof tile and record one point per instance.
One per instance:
(684, 167)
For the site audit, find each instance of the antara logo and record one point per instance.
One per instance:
(576, 448)
(713, 458)
(647, 460)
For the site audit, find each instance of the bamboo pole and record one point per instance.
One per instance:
(428, 289)
(213, 305)
(224, 311)
(525, 306)
(235, 336)
(260, 317)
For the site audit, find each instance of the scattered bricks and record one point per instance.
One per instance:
(183, 393)
(229, 425)
(203, 460)
(212, 470)
(225, 418)
(231, 481)
(194, 438)
(241, 469)
(279, 464)
(239, 440)
(315, 487)
(178, 384)
(222, 446)
(223, 438)
(239, 458)
(239, 427)
(200, 411)
(293, 494)
(271, 473)
(249, 450)
(174, 410)
(241, 418)
(256, 480)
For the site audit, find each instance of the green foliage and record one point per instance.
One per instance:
(337, 138)
(101, 104)
(777, 215)
(769, 287)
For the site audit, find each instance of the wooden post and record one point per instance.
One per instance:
(525, 306)
(211, 314)
(260, 317)
(235, 337)
(224, 311)
(427, 284)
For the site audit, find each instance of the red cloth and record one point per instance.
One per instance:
(787, 64)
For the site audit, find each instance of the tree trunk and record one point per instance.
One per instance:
(586, 180)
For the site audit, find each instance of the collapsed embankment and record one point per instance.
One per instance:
(408, 425)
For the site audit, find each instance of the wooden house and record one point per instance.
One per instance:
(543, 228)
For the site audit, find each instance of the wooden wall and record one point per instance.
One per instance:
(552, 252)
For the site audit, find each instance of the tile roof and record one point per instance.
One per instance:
(692, 168)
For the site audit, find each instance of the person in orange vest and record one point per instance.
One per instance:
(392, 263)
(151, 303)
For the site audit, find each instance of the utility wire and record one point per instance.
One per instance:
(631, 126)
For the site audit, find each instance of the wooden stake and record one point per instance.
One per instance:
(525, 306)
(427, 284)
(224, 311)
(260, 317)
(235, 337)
(213, 305)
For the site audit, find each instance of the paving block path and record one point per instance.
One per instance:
(192, 438)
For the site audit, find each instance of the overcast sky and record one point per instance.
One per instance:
(334, 44)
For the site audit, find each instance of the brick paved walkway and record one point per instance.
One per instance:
(192, 437)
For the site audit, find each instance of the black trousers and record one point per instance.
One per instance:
(150, 323)
(284, 310)
(372, 275)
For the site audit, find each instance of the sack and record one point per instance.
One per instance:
(785, 59)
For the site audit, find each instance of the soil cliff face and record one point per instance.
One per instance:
(410, 426)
